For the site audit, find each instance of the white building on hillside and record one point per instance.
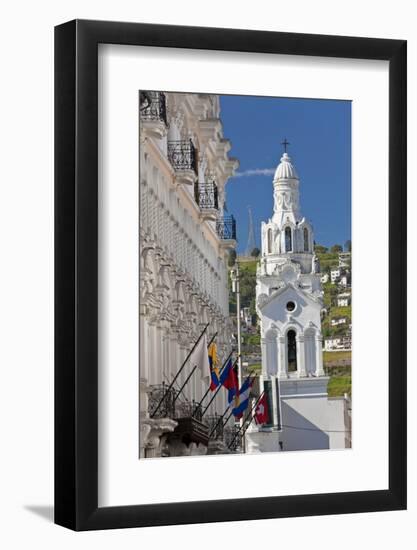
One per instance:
(289, 304)
(324, 278)
(345, 279)
(344, 299)
(184, 243)
(338, 343)
(344, 259)
(336, 321)
(335, 273)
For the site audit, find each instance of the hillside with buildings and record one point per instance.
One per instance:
(335, 269)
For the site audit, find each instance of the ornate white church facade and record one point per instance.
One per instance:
(184, 242)
(289, 303)
(289, 295)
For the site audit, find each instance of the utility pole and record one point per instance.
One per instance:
(234, 275)
(251, 235)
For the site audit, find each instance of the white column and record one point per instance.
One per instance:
(301, 363)
(271, 356)
(263, 356)
(143, 341)
(182, 354)
(275, 403)
(166, 356)
(282, 362)
(151, 357)
(319, 356)
(173, 361)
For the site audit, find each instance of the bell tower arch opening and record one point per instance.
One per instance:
(288, 239)
(292, 351)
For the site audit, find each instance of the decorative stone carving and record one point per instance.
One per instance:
(151, 431)
(262, 299)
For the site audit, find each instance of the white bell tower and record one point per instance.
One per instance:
(289, 300)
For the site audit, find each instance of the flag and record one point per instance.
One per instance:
(214, 370)
(229, 380)
(200, 358)
(243, 398)
(261, 411)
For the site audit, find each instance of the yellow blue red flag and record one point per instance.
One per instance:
(214, 369)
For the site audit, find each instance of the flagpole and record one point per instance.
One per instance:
(185, 383)
(235, 277)
(167, 379)
(253, 416)
(208, 389)
(242, 423)
(215, 393)
(252, 409)
(219, 420)
(182, 387)
(227, 408)
(179, 372)
(227, 419)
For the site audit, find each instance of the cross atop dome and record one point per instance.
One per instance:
(285, 169)
(285, 143)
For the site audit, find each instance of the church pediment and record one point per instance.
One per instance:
(279, 293)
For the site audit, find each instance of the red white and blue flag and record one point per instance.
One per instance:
(242, 401)
(229, 379)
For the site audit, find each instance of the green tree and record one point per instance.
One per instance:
(336, 248)
(255, 252)
(319, 249)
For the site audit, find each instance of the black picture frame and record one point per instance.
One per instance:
(76, 272)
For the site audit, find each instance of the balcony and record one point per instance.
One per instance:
(216, 428)
(153, 113)
(164, 402)
(153, 106)
(160, 406)
(206, 196)
(226, 230)
(183, 157)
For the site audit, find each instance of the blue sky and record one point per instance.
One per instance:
(319, 132)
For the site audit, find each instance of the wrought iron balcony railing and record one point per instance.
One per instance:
(162, 401)
(182, 155)
(226, 228)
(233, 438)
(166, 402)
(153, 106)
(216, 428)
(206, 196)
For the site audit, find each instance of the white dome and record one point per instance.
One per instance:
(285, 169)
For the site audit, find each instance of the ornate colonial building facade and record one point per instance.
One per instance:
(185, 238)
(289, 302)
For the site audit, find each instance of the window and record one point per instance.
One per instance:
(305, 233)
(288, 239)
(292, 351)
(270, 241)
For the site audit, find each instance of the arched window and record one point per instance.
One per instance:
(269, 241)
(305, 233)
(291, 351)
(288, 239)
